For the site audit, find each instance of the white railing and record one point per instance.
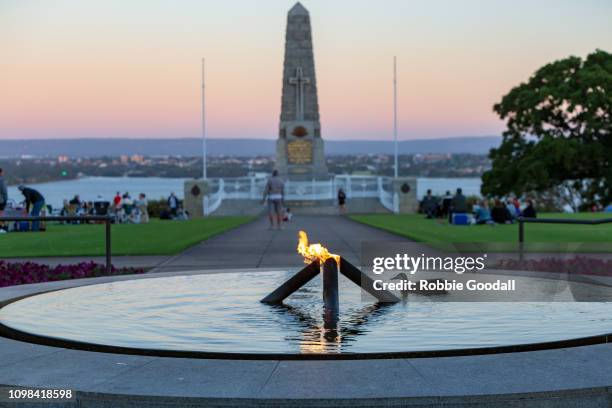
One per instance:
(359, 186)
(310, 190)
(213, 201)
(388, 198)
(252, 188)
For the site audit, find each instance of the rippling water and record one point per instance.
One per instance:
(222, 313)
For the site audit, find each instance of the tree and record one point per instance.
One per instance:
(558, 134)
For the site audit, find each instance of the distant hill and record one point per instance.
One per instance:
(232, 147)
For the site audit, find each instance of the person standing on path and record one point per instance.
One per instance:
(341, 201)
(274, 192)
(34, 202)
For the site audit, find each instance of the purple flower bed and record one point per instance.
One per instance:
(580, 265)
(19, 273)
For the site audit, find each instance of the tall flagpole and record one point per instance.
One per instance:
(395, 112)
(204, 153)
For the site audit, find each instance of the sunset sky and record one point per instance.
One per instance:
(117, 68)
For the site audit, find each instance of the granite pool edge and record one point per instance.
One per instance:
(275, 389)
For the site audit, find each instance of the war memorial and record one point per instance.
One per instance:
(300, 152)
(326, 312)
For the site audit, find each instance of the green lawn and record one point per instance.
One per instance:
(416, 227)
(156, 238)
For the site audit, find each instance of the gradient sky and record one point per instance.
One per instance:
(117, 68)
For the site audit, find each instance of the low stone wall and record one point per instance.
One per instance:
(319, 207)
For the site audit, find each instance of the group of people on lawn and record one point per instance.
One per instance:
(455, 207)
(122, 208)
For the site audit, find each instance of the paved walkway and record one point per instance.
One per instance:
(254, 246)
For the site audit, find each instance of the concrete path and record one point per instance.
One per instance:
(255, 246)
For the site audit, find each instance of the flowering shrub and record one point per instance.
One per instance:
(580, 265)
(19, 273)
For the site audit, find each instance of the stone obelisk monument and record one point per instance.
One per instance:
(299, 148)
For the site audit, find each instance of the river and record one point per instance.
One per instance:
(104, 188)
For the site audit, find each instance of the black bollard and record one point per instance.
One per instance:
(330, 285)
(294, 283)
(361, 279)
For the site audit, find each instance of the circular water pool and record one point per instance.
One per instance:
(222, 313)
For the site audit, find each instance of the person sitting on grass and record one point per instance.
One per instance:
(529, 211)
(288, 215)
(511, 209)
(446, 204)
(117, 202)
(482, 213)
(128, 208)
(429, 205)
(182, 214)
(500, 213)
(517, 206)
(76, 201)
(458, 205)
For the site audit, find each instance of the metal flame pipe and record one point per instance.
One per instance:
(294, 283)
(331, 298)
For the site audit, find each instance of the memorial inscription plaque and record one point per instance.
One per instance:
(299, 152)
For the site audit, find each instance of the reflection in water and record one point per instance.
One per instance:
(329, 333)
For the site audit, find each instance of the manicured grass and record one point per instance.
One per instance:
(416, 227)
(156, 238)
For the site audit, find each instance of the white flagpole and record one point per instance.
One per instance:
(204, 153)
(395, 112)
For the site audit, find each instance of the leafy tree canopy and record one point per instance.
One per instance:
(558, 131)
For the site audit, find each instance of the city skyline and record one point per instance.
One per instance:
(107, 69)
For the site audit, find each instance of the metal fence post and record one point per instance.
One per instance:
(396, 209)
(108, 245)
(521, 238)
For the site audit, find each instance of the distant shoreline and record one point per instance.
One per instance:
(68, 180)
(245, 147)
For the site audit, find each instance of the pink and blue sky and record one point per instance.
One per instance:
(116, 68)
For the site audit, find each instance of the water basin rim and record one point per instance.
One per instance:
(23, 336)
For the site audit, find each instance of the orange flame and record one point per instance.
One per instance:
(313, 252)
